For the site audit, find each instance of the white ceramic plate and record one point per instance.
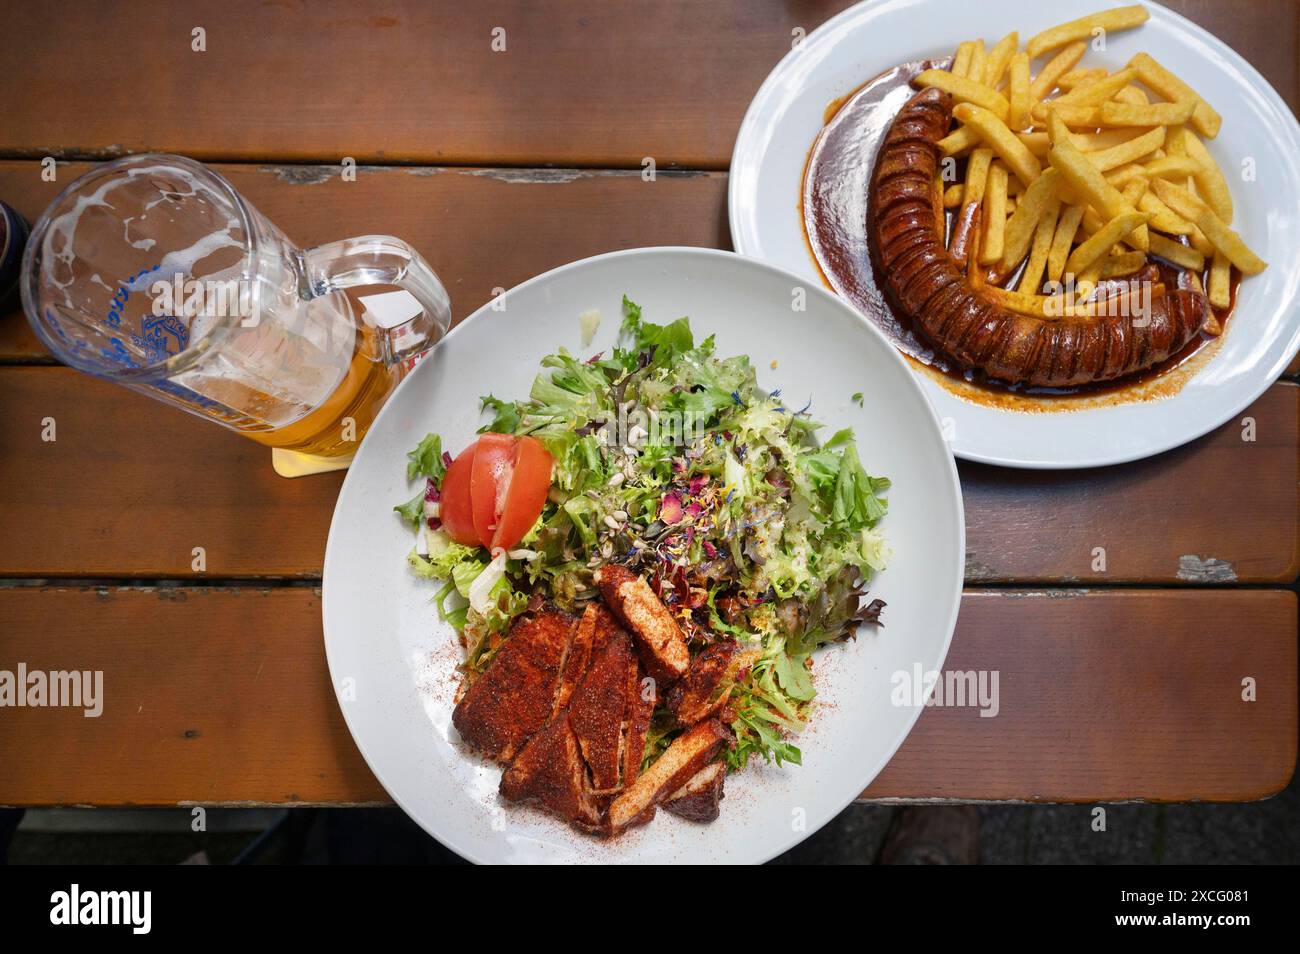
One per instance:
(393, 664)
(862, 42)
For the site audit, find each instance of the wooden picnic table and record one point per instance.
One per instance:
(1115, 685)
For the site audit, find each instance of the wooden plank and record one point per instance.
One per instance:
(1223, 509)
(209, 695)
(479, 228)
(130, 487)
(577, 84)
(1115, 695)
(163, 482)
(218, 695)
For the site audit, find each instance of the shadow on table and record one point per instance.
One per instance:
(1265, 832)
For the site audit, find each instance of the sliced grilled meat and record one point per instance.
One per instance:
(705, 687)
(641, 702)
(599, 707)
(549, 772)
(515, 697)
(698, 799)
(689, 753)
(658, 637)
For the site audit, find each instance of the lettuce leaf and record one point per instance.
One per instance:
(426, 460)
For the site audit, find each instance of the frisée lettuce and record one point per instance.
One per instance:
(671, 460)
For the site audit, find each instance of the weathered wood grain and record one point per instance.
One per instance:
(1113, 695)
(577, 83)
(221, 696)
(480, 229)
(1217, 511)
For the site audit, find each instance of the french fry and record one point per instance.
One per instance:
(1083, 177)
(1036, 142)
(999, 58)
(1160, 80)
(1057, 131)
(1055, 68)
(977, 174)
(1091, 223)
(1034, 306)
(958, 141)
(1085, 282)
(1098, 246)
(1031, 279)
(1066, 228)
(1119, 18)
(1220, 290)
(1001, 139)
(1126, 263)
(1056, 307)
(1201, 243)
(961, 59)
(1155, 114)
(1210, 182)
(1170, 167)
(1178, 199)
(1133, 191)
(1089, 94)
(965, 90)
(1122, 175)
(1104, 139)
(1177, 253)
(1079, 77)
(1100, 90)
(1186, 206)
(1018, 90)
(1023, 223)
(995, 215)
(1229, 243)
(974, 274)
(1073, 114)
(978, 59)
(1126, 152)
(1109, 161)
(1174, 141)
(1161, 217)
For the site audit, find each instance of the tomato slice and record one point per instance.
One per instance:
(530, 482)
(455, 509)
(493, 493)
(493, 465)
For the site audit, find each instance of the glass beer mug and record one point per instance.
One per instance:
(153, 272)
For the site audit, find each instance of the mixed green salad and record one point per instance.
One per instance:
(671, 460)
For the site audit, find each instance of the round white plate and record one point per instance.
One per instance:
(1258, 133)
(393, 663)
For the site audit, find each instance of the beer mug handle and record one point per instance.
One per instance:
(382, 260)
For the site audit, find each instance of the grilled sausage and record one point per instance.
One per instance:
(924, 280)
